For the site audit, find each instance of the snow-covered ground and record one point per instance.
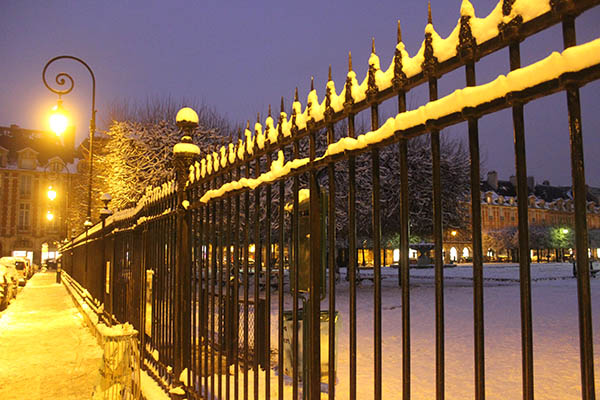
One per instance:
(555, 328)
(46, 350)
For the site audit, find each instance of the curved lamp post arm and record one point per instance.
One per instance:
(64, 79)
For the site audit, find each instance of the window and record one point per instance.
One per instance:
(25, 188)
(24, 216)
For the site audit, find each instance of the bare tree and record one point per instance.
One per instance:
(139, 147)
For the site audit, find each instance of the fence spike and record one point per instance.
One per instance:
(282, 105)
(296, 94)
(312, 83)
(258, 118)
(269, 110)
(399, 33)
(349, 61)
(373, 45)
(329, 74)
(429, 19)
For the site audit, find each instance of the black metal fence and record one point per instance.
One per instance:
(246, 227)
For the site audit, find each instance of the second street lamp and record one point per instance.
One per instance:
(59, 120)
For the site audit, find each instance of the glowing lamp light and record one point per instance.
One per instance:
(565, 230)
(49, 216)
(58, 119)
(453, 233)
(51, 193)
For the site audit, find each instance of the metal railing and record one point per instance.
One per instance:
(218, 238)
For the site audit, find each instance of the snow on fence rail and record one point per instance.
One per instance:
(221, 233)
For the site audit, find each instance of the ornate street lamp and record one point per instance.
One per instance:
(59, 121)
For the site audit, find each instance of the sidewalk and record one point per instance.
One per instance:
(46, 350)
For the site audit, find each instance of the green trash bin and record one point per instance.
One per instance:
(287, 343)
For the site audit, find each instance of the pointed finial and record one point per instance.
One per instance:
(329, 74)
(258, 118)
(296, 95)
(239, 132)
(269, 110)
(349, 61)
(282, 106)
(312, 83)
(429, 19)
(373, 45)
(399, 33)
(248, 124)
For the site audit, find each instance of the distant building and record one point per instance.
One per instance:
(547, 206)
(32, 162)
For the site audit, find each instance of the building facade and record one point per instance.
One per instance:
(35, 180)
(548, 206)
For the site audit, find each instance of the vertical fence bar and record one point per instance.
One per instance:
(163, 287)
(331, 228)
(478, 321)
(295, 189)
(172, 284)
(198, 312)
(313, 319)
(236, 290)
(280, 288)
(205, 285)
(376, 256)
(581, 232)
(404, 271)
(352, 261)
(213, 296)
(257, 272)
(524, 267)
(220, 227)
(229, 301)
(439, 262)
(246, 282)
(267, 328)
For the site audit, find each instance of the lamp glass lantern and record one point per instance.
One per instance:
(59, 120)
(51, 193)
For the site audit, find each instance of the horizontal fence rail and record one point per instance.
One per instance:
(231, 270)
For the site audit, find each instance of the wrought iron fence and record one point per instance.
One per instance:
(256, 223)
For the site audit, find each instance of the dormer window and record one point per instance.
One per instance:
(27, 158)
(55, 164)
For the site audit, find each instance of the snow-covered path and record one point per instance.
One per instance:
(46, 350)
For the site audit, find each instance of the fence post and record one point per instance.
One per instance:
(185, 153)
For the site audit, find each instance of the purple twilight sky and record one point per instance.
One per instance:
(242, 56)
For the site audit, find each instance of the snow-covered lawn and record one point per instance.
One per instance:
(555, 328)
(46, 350)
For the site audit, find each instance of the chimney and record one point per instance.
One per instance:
(492, 179)
(513, 181)
(530, 182)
